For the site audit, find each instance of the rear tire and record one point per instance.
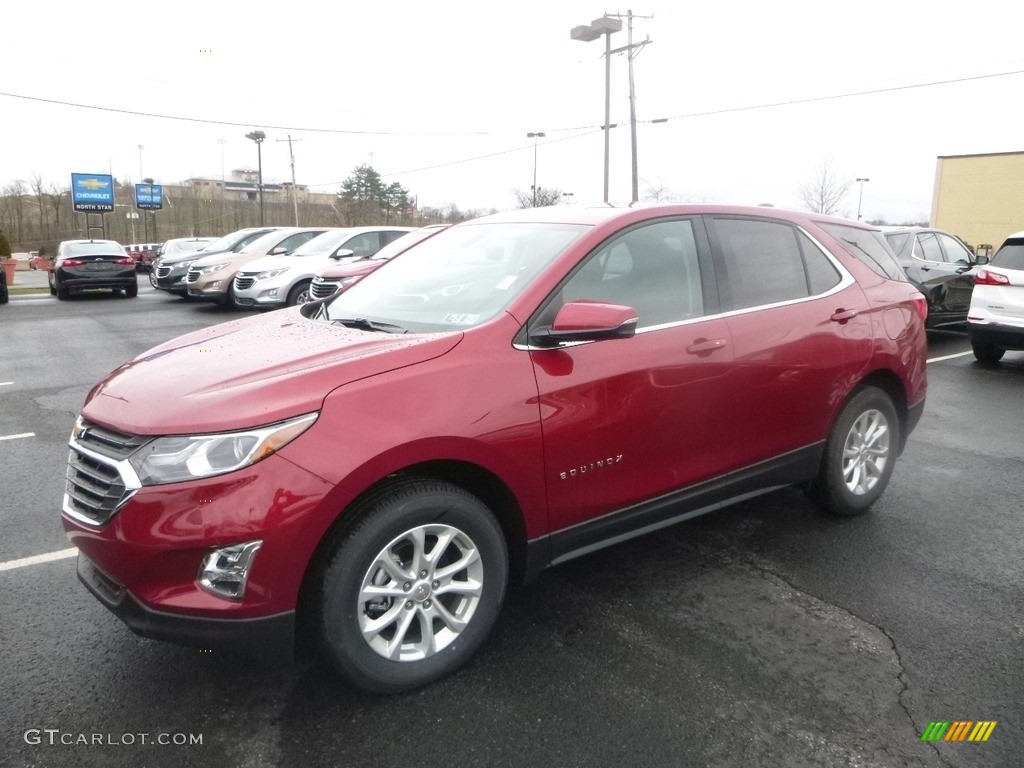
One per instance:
(860, 454)
(62, 293)
(131, 291)
(411, 589)
(987, 354)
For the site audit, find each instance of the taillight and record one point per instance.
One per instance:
(984, 277)
(72, 263)
(125, 260)
(921, 306)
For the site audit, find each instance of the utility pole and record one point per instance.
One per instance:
(295, 198)
(631, 50)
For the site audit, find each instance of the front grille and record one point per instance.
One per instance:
(163, 271)
(241, 283)
(94, 487)
(192, 276)
(98, 479)
(114, 445)
(321, 289)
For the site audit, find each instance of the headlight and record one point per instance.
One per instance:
(347, 281)
(212, 268)
(183, 264)
(271, 273)
(189, 457)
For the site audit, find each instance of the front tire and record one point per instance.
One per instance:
(859, 455)
(299, 294)
(412, 588)
(987, 354)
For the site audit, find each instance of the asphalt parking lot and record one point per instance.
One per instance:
(761, 635)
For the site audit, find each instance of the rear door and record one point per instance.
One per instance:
(798, 322)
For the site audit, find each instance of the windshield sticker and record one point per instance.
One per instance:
(461, 319)
(506, 283)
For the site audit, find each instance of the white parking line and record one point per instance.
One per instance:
(16, 437)
(6, 383)
(24, 562)
(949, 357)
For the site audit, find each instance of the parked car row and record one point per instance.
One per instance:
(266, 267)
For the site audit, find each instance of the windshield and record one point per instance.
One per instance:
(96, 246)
(323, 244)
(897, 240)
(457, 279)
(1010, 256)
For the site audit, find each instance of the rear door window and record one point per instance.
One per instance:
(768, 262)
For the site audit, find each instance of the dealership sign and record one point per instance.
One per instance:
(92, 192)
(149, 197)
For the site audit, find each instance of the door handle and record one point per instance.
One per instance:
(841, 316)
(704, 346)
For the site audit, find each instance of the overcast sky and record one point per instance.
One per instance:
(439, 96)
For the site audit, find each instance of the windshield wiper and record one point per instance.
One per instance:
(369, 325)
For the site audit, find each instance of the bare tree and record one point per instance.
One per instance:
(527, 199)
(825, 190)
(656, 191)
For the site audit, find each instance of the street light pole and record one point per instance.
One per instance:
(258, 137)
(606, 26)
(535, 136)
(860, 198)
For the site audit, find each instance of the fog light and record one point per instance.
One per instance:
(215, 285)
(225, 571)
(269, 294)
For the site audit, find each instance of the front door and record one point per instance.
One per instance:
(630, 419)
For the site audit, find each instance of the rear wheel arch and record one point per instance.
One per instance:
(890, 383)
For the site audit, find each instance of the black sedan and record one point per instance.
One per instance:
(941, 267)
(85, 264)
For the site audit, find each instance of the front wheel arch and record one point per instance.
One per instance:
(478, 481)
(439, 617)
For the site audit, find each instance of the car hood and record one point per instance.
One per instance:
(309, 264)
(273, 262)
(180, 256)
(359, 267)
(249, 372)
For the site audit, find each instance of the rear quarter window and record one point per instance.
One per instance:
(869, 246)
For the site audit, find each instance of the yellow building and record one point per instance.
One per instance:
(980, 198)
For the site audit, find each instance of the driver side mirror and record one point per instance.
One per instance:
(587, 321)
(277, 250)
(343, 253)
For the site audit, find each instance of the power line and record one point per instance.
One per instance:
(725, 110)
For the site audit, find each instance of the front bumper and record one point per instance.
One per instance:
(143, 562)
(212, 287)
(269, 639)
(173, 282)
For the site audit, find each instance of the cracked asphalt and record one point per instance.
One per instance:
(762, 635)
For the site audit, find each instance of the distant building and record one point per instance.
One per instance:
(243, 184)
(979, 198)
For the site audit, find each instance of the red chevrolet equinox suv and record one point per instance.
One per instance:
(369, 472)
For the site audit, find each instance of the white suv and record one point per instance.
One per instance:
(995, 321)
(277, 281)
